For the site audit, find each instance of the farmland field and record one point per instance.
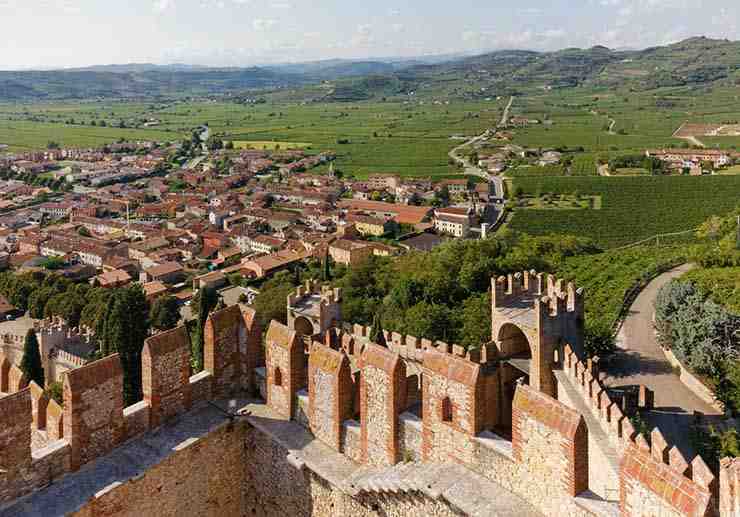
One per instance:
(408, 137)
(411, 139)
(249, 144)
(633, 208)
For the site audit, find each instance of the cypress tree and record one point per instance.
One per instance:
(31, 362)
(126, 328)
(165, 313)
(327, 269)
(206, 302)
(376, 332)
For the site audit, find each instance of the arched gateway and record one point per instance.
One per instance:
(532, 318)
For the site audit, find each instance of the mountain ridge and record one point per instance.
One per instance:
(693, 61)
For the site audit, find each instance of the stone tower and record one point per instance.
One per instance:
(533, 316)
(313, 309)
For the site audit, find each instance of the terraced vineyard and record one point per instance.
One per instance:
(584, 165)
(608, 277)
(633, 208)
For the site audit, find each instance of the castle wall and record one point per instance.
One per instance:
(274, 488)
(285, 365)
(205, 477)
(22, 471)
(251, 352)
(284, 469)
(453, 407)
(729, 497)
(551, 441)
(649, 486)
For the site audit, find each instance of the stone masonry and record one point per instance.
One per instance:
(165, 374)
(255, 457)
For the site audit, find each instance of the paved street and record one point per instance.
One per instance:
(640, 360)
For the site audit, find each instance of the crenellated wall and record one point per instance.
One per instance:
(92, 421)
(165, 374)
(382, 398)
(286, 369)
(330, 392)
(369, 409)
(93, 409)
(62, 348)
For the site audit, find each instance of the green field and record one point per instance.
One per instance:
(249, 144)
(630, 171)
(633, 208)
(410, 139)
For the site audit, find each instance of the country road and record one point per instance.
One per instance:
(612, 123)
(640, 360)
(474, 170)
(505, 116)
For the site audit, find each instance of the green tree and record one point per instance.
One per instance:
(205, 301)
(165, 313)
(31, 363)
(126, 328)
(270, 304)
(442, 197)
(326, 270)
(55, 392)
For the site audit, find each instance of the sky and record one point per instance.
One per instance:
(73, 33)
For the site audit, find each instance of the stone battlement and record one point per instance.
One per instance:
(491, 412)
(522, 289)
(93, 420)
(314, 308)
(585, 376)
(312, 287)
(62, 347)
(408, 347)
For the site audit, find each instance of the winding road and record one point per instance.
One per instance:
(640, 360)
(474, 170)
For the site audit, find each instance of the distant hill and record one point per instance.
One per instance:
(144, 82)
(695, 61)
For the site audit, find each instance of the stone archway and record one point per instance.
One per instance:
(516, 360)
(303, 326)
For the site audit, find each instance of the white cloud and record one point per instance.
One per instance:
(263, 24)
(163, 5)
